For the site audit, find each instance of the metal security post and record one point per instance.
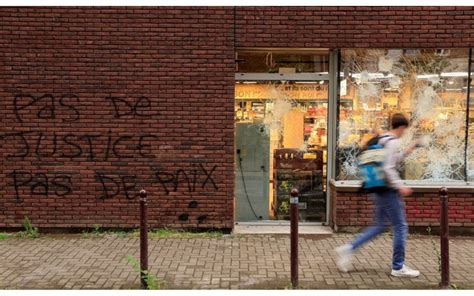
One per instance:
(294, 237)
(443, 196)
(143, 238)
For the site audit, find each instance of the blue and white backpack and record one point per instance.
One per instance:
(370, 162)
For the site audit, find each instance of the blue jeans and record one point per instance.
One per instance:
(389, 207)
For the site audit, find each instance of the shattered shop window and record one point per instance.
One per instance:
(428, 85)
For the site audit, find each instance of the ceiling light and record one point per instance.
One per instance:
(454, 74)
(373, 75)
(426, 76)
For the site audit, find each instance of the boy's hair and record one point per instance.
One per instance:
(398, 120)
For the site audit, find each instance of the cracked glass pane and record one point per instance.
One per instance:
(428, 85)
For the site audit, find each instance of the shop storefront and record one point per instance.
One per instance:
(285, 138)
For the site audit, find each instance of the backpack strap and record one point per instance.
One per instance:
(388, 140)
(375, 140)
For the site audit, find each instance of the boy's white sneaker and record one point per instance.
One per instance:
(405, 271)
(344, 259)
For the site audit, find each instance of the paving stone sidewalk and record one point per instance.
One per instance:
(228, 262)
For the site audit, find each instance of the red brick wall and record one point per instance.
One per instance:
(352, 210)
(171, 74)
(346, 27)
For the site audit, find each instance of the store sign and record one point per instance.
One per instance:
(313, 91)
(276, 91)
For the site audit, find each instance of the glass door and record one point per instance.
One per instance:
(281, 134)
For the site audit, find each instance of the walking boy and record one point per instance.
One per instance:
(389, 206)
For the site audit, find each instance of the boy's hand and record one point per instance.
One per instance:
(405, 191)
(412, 147)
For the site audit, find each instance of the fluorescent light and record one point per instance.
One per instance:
(373, 75)
(427, 76)
(250, 82)
(448, 74)
(454, 74)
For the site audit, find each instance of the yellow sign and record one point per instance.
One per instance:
(286, 91)
(313, 91)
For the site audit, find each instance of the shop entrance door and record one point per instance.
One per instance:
(281, 136)
(252, 176)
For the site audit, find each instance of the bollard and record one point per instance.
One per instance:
(294, 237)
(444, 237)
(143, 239)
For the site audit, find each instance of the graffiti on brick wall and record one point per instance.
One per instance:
(171, 182)
(77, 145)
(112, 185)
(185, 216)
(52, 146)
(189, 181)
(40, 183)
(140, 107)
(49, 106)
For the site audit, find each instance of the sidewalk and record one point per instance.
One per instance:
(228, 262)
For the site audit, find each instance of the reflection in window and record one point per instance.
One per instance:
(428, 85)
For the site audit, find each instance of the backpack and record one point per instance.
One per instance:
(370, 162)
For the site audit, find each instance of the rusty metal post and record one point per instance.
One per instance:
(143, 238)
(443, 196)
(294, 237)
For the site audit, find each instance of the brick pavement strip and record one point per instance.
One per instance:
(229, 262)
